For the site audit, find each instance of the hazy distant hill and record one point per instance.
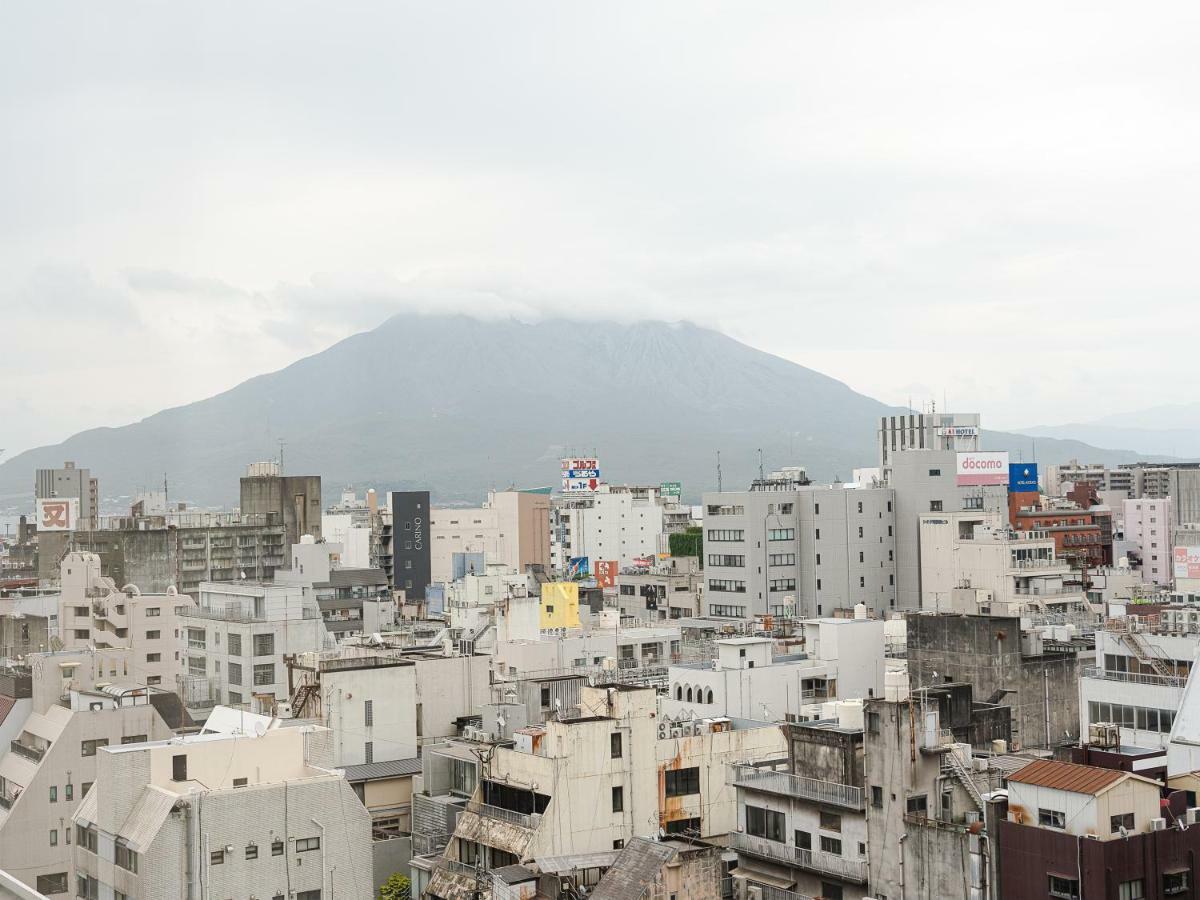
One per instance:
(459, 405)
(1172, 429)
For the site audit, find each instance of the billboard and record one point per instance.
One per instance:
(580, 473)
(1187, 562)
(977, 468)
(958, 431)
(1022, 478)
(577, 567)
(606, 573)
(57, 514)
(670, 489)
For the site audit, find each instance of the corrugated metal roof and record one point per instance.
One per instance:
(634, 871)
(6, 705)
(1068, 776)
(146, 817)
(387, 769)
(87, 809)
(554, 864)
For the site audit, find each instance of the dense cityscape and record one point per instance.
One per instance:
(957, 674)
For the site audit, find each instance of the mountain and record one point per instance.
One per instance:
(1168, 429)
(459, 405)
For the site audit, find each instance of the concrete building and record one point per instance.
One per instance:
(593, 782)
(512, 528)
(234, 640)
(81, 701)
(940, 432)
(670, 588)
(801, 819)
(843, 659)
(974, 563)
(1033, 673)
(94, 613)
(662, 869)
(1148, 529)
(790, 548)
(223, 815)
(618, 522)
(294, 499)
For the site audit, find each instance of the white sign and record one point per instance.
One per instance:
(977, 468)
(1187, 562)
(958, 431)
(57, 514)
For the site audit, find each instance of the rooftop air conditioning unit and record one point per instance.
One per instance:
(754, 892)
(1158, 824)
(1192, 816)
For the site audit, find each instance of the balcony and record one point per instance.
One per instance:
(852, 870)
(1175, 681)
(7, 800)
(499, 814)
(34, 754)
(830, 793)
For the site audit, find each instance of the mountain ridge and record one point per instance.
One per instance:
(459, 404)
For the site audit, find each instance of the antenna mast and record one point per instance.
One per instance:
(718, 471)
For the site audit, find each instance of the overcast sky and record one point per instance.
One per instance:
(992, 203)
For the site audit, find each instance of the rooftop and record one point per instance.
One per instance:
(394, 768)
(1071, 777)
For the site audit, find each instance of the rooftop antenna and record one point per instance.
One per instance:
(718, 471)
(281, 445)
(760, 464)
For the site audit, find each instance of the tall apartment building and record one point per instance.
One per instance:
(223, 815)
(405, 552)
(81, 701)
(1148, 529)
(788, 547)
(512, 528)
(1126, 481)
(71, 482)
(94, 613)
(294, 499)
(617, 522)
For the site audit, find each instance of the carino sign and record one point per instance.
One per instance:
(982, 468)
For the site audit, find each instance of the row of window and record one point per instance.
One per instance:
(726, 560)
(264, 644)
(726, 611)
(726, 534)
(1138, 717)
(727, 585)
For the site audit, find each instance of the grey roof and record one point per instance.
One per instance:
(389, 769)
(146, 818)
(357, 577)
(636, 868)
(514, 874)
(576, 861)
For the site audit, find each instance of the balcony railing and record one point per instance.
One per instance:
(425, 844)
(1135, 677)
(770, 892)
(831, 793)
(7, 800)
(853, 870)
(32, 753)
(522, 820)
(458, 868)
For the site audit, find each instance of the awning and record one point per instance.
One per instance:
(763, 878)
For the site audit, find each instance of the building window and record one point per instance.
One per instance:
(308, 895)
(52, 884)
(240, 782)
(614, 745)
(917, 806)
(85, 838)
(303, 845)
(264, 673)
(1064, 888)
(197, 666)
(234, 644)
(1174, 883)
(369, 751)
(368, 712)
(54, 793)
(877, 795)
(781, 584)
(726, 560)
(935, 473)
(132, 739)
(830, 821)
(179, 767)
(1116, 823)
(196, 639)
(83, 789)
(683, 782)
(153, 635)
(781, 534)
(216, 858)
(831, 845)
(125, 858)
(252, 851)
(803, 840)
(618, 799)
(726, 585)
(726, 534)
(87, 887)
(264, 645)
(69, 789)
(277, 848)
(1132, 890)
(153, 657)
(53, 837)
(88, 748)
(1052, 818)
(684, 826)
(765, 823)
(235, 673)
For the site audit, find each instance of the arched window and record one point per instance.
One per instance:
(679, 692)
(689, 694)
(709, 700)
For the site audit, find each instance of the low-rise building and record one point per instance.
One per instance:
(223, 815)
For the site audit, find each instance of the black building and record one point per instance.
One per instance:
(407, 560)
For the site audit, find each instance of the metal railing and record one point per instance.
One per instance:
(500, 814)
(1135, 677)
(32, 753)
(237, 614)
(770, 892)
(458, 868)
(425, 844)
(828, 792)
(854, 870)
(7, 800)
